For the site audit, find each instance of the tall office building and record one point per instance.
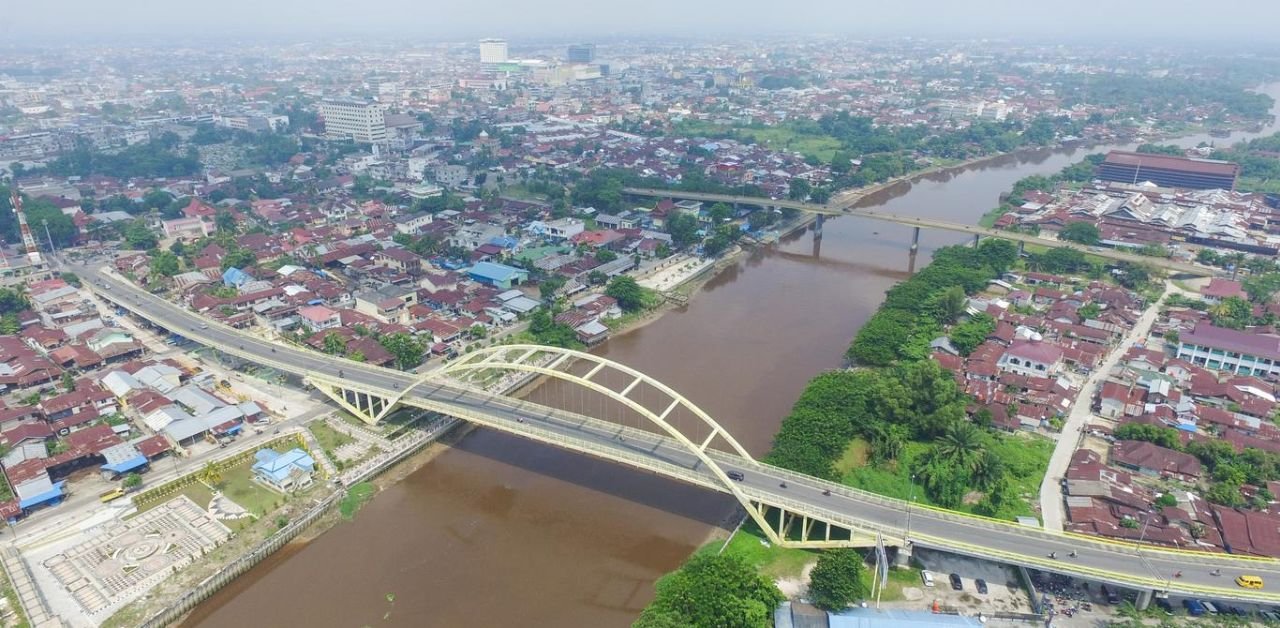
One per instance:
(581, 53)
(493, 51)
(359, 120)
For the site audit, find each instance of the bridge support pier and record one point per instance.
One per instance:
(1022, 248)
(976, 238)
(902, 557)
(915, 248)
(1144, 599)
(817, 226)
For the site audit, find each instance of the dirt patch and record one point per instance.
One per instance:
(796, 588)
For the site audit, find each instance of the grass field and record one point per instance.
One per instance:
(776, 137)
(329, 438)
(238, 485)
(770, 560)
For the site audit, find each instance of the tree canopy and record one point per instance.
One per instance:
(712, 591)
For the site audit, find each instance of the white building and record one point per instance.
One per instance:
(358, 120)
(493, 51)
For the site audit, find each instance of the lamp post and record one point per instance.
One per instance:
(45, 222)
(906, 540)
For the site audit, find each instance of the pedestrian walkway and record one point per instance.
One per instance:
(33, 604)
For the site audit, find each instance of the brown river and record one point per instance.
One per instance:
(500, 531)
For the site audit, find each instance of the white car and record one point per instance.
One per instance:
(927, 578)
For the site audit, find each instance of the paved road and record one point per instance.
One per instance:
(1106, 562)
(1051, 504)
(845, 208)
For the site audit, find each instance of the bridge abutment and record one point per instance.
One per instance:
(1144, 599)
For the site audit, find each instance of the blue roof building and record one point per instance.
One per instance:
(286, 471)
(121, 459)
(234, 277)
(498, 275)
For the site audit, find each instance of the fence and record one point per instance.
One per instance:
(172, 486)
(226, 574)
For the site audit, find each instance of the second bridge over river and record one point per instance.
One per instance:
(845, 207)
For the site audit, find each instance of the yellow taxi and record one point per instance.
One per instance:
(1249, 582)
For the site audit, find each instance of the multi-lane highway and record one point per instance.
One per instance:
(1119, 564)
(846, 208)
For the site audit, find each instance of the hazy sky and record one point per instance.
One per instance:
(62, 21)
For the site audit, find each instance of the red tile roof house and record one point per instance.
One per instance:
(1219, 289)
(1154, 460)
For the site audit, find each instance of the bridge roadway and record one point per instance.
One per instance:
(845, 208)
(1120, 564)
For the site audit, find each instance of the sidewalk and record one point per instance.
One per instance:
(1051, 504)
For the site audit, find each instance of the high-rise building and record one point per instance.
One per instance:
(359, 120)
(581, 53)
(493, 51)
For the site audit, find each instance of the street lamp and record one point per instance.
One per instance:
(45, 222)
(906, 540)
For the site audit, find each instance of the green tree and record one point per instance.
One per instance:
(683, 228)
(68, 381)
(968, 335)
(1082, 232)
(629, 294)
(13, 300)
(238, 258)
(951, 303)
(1232, 312)
(72, 279)
(836, 581)
(719, 213)
(334, 344)
(548, 287)
(712, 591)
(798, 190)
(131, 481)
(139, 237)
(604, 256)
(165, 264)
(407, 350)
(961, 445)
(224, 220)
(211, 474)
(1089, 311)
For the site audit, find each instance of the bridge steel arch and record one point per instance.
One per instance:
(776, 520)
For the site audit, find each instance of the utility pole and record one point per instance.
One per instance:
(52, 250)
(906, 539)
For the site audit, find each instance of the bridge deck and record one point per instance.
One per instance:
(845, 208)
(1116, 563)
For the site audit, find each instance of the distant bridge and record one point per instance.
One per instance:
(844, 207)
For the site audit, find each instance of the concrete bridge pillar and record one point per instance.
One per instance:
(1144, 599)
(915, 248)
(1022, 248)
(902, 557)
(817, 226)
(976, 238)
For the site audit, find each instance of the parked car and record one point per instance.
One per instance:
(1165, 606)
(956, 583)
(926, 578)
(1209, 607)
(981, 585)
(1194, 607)
(1113, 597)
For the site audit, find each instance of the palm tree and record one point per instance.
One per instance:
(960, 445)
(987, 469)
(211, 474)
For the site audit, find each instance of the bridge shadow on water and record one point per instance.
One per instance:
(641, 487)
